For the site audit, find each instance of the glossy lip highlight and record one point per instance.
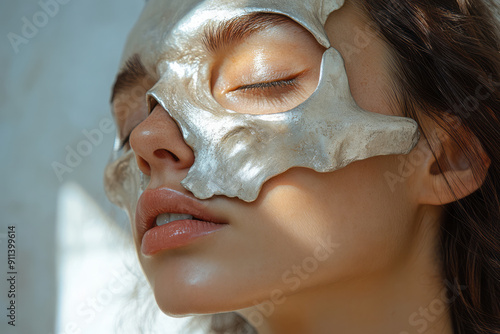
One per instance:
(154, 202)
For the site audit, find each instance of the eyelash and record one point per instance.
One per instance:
(292, 82)
(126, 140)
(273, 93)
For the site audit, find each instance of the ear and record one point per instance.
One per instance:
(447, 174)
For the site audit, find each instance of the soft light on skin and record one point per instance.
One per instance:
(382, 240)
(285, 54)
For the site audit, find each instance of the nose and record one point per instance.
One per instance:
(159, 146)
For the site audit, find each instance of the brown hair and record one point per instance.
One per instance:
(447, 63)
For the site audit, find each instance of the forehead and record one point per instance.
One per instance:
(175, 28)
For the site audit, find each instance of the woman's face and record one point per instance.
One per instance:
(306, 229)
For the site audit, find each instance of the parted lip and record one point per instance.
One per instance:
(154, 202)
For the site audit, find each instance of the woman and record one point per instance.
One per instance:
(381, 241)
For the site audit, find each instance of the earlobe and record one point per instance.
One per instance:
(452, 170)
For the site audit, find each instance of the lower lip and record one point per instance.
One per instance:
(176, 234)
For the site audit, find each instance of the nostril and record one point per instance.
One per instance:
(163, 154)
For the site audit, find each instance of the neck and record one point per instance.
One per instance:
(410, 298)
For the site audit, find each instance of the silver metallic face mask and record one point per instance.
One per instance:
(236, 153)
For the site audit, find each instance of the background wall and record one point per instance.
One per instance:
(58, 60)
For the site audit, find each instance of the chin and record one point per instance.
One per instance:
(186, 301)
(181, 290)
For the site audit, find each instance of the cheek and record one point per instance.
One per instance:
(369, 83)
(354, 206)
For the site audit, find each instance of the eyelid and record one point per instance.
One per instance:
(269, 84)
(126, 139)
(285, 81)
(153, 104)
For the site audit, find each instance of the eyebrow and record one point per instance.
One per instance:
(132, 72)
(218, 36)
(215, 37)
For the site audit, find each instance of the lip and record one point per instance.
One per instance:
(154, 202)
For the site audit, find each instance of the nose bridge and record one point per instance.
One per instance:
(159, 145)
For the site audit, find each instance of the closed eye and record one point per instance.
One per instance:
(270, 84)
(125, 143)
(278, 94)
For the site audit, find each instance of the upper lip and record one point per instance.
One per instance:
(154, 202)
